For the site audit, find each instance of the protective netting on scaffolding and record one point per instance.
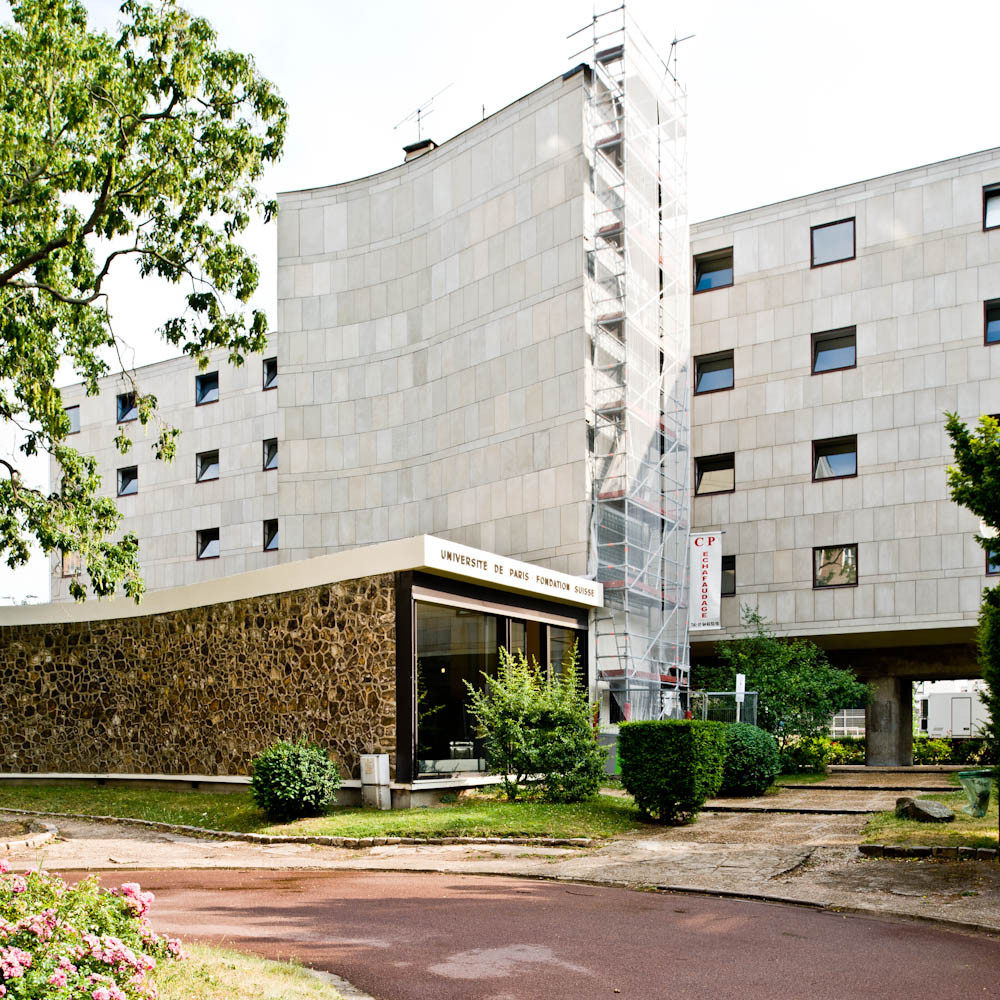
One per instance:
(638, 317)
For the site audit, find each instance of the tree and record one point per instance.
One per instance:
(974, 482)
(144, 147)
(798, 691)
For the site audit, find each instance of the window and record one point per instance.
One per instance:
(71, 564)
(832, 242)
(713, 372)
(835, 458)
(206, 466)
(270, 454)
(834, 350)
(271, 535)
(73, 413)
(835, 566)
(127, 410)
(728, 576)
(713, 270)
(715, 474)
(208, 543)
(991, 206)
(128, 481)
(270, 373)
(991, 330)
(206, 388)
(993, 562)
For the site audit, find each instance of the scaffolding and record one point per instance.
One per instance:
(637, 314)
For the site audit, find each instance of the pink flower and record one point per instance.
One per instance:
(18, 884)
(58, 978)
(13, 962)
(4, 868)
(101, 993)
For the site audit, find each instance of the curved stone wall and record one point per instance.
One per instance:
(201, 691)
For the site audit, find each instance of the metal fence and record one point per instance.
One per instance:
(721, 706)
(848, 722)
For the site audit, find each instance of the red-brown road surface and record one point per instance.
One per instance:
(406, 936)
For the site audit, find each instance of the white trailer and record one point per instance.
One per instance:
(948, 713)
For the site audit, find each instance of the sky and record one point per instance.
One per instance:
(784, 98)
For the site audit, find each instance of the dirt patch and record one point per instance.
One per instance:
(12, 831)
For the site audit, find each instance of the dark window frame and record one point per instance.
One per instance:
(275, 547)
(853, 219)
(992, 572)
(274, 385)
(831, 441)
(198, 546)
(197, 388)
(714, 356)
(987, 304)
(133, 408)
(218, 464)
(821, 335)
(836, 586)
(264, 466)
(708, 256)
(728, 565)
(118, 480)
(717, 458)
(66, 410)
(989, 191)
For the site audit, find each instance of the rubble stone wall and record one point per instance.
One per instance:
(202, 690)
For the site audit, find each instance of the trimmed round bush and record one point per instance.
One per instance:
(293, 779)
(752, 761)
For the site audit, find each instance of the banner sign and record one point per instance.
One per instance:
(704, 604)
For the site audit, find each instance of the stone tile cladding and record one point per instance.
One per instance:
(201, 691)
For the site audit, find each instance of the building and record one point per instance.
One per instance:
(830, 334)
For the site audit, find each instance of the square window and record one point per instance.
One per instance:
(832, 242)
(206, 388)
(128, 481)
(991, 331)
(270, 454)
(73, 413)
(713, 270)
(270, 373)
(715, 474)
(993, 562)
(127, 410)
(271, 535)
(208, 543)
(71, 564)
(206, 466)
(835, 566)
(713, 372)
(834, 350)
(728, 576)
(835, 458)
(991, 206)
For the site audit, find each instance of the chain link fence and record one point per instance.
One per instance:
(721, 706)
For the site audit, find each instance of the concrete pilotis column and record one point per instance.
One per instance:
(889, 723)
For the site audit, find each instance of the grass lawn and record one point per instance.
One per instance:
(800, 779)
(964, 831)
(480, 816)
(219, 974)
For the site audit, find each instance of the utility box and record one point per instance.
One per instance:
(375, 780)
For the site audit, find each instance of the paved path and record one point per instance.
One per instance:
(457, 937)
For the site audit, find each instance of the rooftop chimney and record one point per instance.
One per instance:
(416, 149)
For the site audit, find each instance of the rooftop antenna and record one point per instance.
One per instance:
(420, 113)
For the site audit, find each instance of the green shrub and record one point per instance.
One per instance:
(847, 750)
(927, 751)
(808, 755)
(974, 750)
(752, 761)
(293, 779)
(534, 725)
(670, 767)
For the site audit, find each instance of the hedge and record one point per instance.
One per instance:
(670, 767)
(752, 761)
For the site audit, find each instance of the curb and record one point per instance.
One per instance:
(923, 789)
(803, 810)
(47, 834)
(352, 843)
(946, 853)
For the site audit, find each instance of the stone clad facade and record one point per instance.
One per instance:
(202, 690)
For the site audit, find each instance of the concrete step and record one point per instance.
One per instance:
(923, 789)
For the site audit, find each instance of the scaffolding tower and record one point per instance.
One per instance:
(638, 320)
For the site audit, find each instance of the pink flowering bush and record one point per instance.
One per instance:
(79, 942)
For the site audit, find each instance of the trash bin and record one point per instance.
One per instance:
(977, 785)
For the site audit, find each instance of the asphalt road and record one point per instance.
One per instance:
(406, 936)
